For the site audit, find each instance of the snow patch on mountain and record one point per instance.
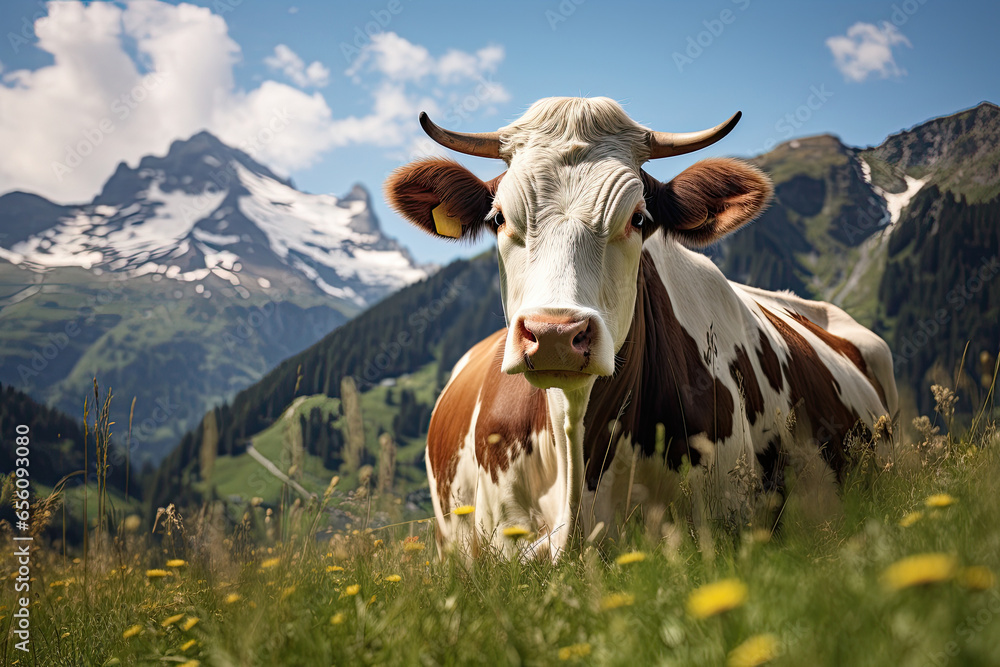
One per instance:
(894, 202)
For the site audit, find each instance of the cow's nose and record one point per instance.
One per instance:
(554, 345)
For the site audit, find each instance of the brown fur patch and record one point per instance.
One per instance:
(662, 380)
(452, 416)
(812, 386)
(414, 190)
(512, 410)
(769, 362)
(844, 347)
(745, 376)
(708, 200)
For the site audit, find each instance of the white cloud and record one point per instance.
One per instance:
(288, 62)
(126, 82)
(401, 60)
(866, 49)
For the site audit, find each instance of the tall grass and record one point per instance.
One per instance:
(198, 591)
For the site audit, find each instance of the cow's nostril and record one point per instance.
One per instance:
(582, 339)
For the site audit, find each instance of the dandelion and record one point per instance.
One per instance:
(717, 597)
(157, 574)
(188, 644)
(334, 568)
(176, 562)
(976, 578)
(394, 578)
(574, 651)
(631, 557)
(911, 519)
(190, 623)
(353, 589)
(463, 510)
(132, 632)
(232, 597)
(337, 618)
(616, 600)
(167, 622)
(755, 651)
(413, 546)
(269, 563)
(939, 500)
(920, 569)
(377, 543)
(515, 532)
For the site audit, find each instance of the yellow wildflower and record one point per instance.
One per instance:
(188, 644)
(920, 569)
(463, 510)
(167, 622)
(413, 546)
(157, 574)
(337, 618)
(232, 597)
(189, 623)
(976, 578)
(190, 663)
(394, 578)
(353, 589)
(911, 519)
(269, 563)
(717, 597)
(631, 557)
(574, 651)
(616, 600)
(334, 568)
(176, 562)
(377, 543)
(755, 651)
(939, 500)
(132, 632)
(515, 532)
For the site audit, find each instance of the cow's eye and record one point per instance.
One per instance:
(498, 220)
(638, 219)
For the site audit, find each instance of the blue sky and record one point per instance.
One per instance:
(340, 83)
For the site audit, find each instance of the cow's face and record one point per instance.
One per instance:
(570, 215)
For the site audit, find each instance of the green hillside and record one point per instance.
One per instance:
(419, 332)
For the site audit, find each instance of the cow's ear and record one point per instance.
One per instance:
(442, 197)
(708, 200)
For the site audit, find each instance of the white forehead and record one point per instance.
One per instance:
(572, 143)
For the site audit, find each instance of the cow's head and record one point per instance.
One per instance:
(570, 215)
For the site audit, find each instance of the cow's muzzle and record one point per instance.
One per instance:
(553, 349)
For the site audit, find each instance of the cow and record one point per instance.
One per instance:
(632, 375)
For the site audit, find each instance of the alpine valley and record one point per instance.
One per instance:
(185, 280)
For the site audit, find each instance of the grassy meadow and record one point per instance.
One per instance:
(904, 575)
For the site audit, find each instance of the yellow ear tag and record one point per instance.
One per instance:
(445, 224)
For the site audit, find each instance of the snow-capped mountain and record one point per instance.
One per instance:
(184, 281)
(207, 210)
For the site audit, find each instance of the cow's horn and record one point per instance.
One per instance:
(481, 144)
(669, 144)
